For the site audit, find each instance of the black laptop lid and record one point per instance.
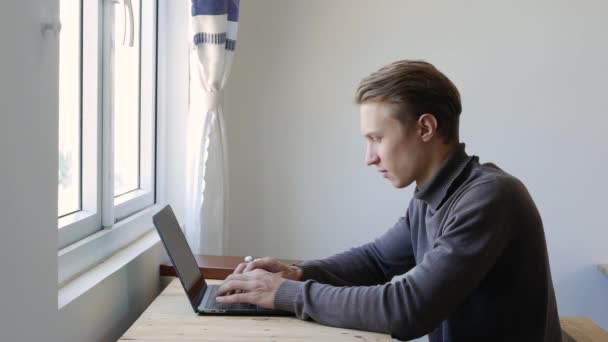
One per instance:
(180, 254)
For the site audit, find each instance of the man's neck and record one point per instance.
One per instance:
(442, 152)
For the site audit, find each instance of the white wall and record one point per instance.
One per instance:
(28, 176)
(28, 210)
(533, 81)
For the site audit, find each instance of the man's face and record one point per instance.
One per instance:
(394, 149)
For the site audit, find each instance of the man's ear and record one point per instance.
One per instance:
(427, 126)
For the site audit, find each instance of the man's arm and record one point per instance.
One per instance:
(474, 238)
(373, 263)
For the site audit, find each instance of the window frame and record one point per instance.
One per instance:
(95, 136)
(133, 201)
(76, 226)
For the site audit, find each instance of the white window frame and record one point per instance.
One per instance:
(82, 242)
(87, 221)
(134, 201)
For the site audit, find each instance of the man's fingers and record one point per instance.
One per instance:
(234, 285)
(252, 265)
(239, 269)
(236, 277)
(264, 263)
(234, 298)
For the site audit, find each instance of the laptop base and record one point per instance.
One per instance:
(209, 306)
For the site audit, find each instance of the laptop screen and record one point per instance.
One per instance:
(179, 252)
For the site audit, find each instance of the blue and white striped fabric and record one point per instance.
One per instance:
(213, 37)
(214, 26)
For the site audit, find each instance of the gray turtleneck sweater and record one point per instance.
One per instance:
(472, 257)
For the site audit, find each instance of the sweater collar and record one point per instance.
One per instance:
(435, 191)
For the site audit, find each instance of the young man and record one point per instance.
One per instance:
(471, 246)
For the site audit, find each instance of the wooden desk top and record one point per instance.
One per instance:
(171, 318)
(582, 329)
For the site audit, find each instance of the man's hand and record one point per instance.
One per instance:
(256, 287)
(271, 265)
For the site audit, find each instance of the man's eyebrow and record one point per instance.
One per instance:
(370, 133)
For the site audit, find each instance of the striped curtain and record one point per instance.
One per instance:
(213, 35)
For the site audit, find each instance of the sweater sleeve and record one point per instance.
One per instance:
(373, 263)
(474, 237)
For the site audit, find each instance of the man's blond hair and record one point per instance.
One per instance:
(415, 88)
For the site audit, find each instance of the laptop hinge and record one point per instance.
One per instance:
(197, 291)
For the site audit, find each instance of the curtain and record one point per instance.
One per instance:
(214, 27)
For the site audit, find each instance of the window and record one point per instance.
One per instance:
(70, 117)
(107, 84)
(126, 103)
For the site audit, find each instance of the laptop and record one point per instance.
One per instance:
(200, 294)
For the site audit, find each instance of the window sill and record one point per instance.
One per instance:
(77, 260)
(86, 281)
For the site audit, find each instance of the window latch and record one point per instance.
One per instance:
(127, 7)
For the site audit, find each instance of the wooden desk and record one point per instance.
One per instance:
(582, 329)
(171, 318)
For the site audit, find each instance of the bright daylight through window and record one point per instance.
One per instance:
(69, 109)
(107, 103)
(126, 100)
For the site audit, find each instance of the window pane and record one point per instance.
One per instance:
(126, 99)
(69, 108)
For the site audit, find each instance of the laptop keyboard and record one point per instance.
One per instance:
(211, 303)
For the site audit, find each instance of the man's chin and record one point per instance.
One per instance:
(400, 184)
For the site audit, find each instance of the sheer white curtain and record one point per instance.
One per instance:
(213, 31)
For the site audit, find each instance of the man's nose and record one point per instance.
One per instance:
(371, 157)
